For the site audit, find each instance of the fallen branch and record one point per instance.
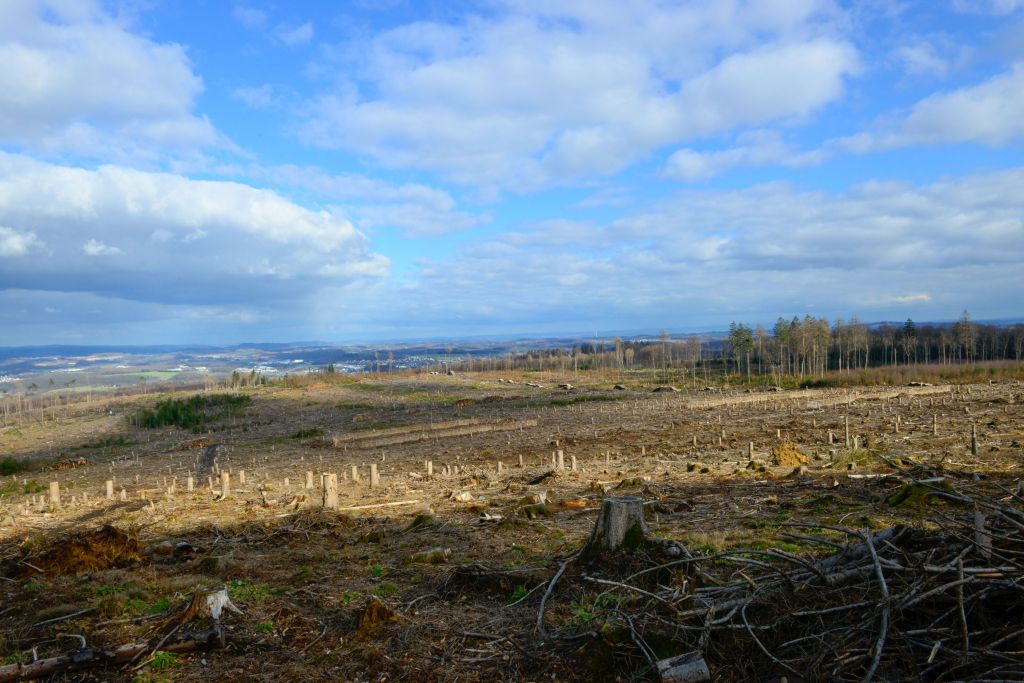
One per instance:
(313, 642)
(65, 617)
(883, 628)
(380, 505)
(86, 657)
(547, 594)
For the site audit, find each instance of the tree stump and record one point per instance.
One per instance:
(330, 491)
(619, 524)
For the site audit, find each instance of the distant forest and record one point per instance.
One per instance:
(798, 347)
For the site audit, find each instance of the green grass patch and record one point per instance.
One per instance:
(761, 524)
(137, 605)
(589, 607)
(160, 606)
(580, 613)
(771, 544)
(154, 374)
(308, 433)
(162, 661)
(518, 594)
(385, 590)
(30, 487)
(246, 592)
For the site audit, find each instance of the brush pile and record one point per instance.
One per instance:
(78, 553)
(942, 602)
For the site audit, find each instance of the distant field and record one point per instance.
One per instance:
(153, 374)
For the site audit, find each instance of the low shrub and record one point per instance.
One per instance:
(192, 413)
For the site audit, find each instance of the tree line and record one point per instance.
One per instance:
(796, 347)
(811, 346)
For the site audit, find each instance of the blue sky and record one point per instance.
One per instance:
(216, 171)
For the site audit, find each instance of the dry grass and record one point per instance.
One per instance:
(304, 576)
(788, 455)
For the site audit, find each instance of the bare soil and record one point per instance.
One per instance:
(439, 578)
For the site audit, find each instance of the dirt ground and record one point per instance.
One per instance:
(440, 577)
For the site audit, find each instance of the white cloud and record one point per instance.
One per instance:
(97, 248)
(418, 220)
(257, 97)
(884, 250)
(349, 186)
(88, 318)
(921, 59)
(546, 92)
(767, 84)
(294, 35)
(996, 7)
(14, 243)
(609, 196)
(417, 209)
(879, 249)
(989, 113)
(754, 148)
(76, 79)
(196, 241)
(912, 298)
(249, 17)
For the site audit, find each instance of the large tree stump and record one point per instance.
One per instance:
(620, 526)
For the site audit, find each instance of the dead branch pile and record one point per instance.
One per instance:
(206, 605)
(85, 657)
(193, 444)
(938, 603)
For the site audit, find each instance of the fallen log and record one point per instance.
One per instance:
(85, 657)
